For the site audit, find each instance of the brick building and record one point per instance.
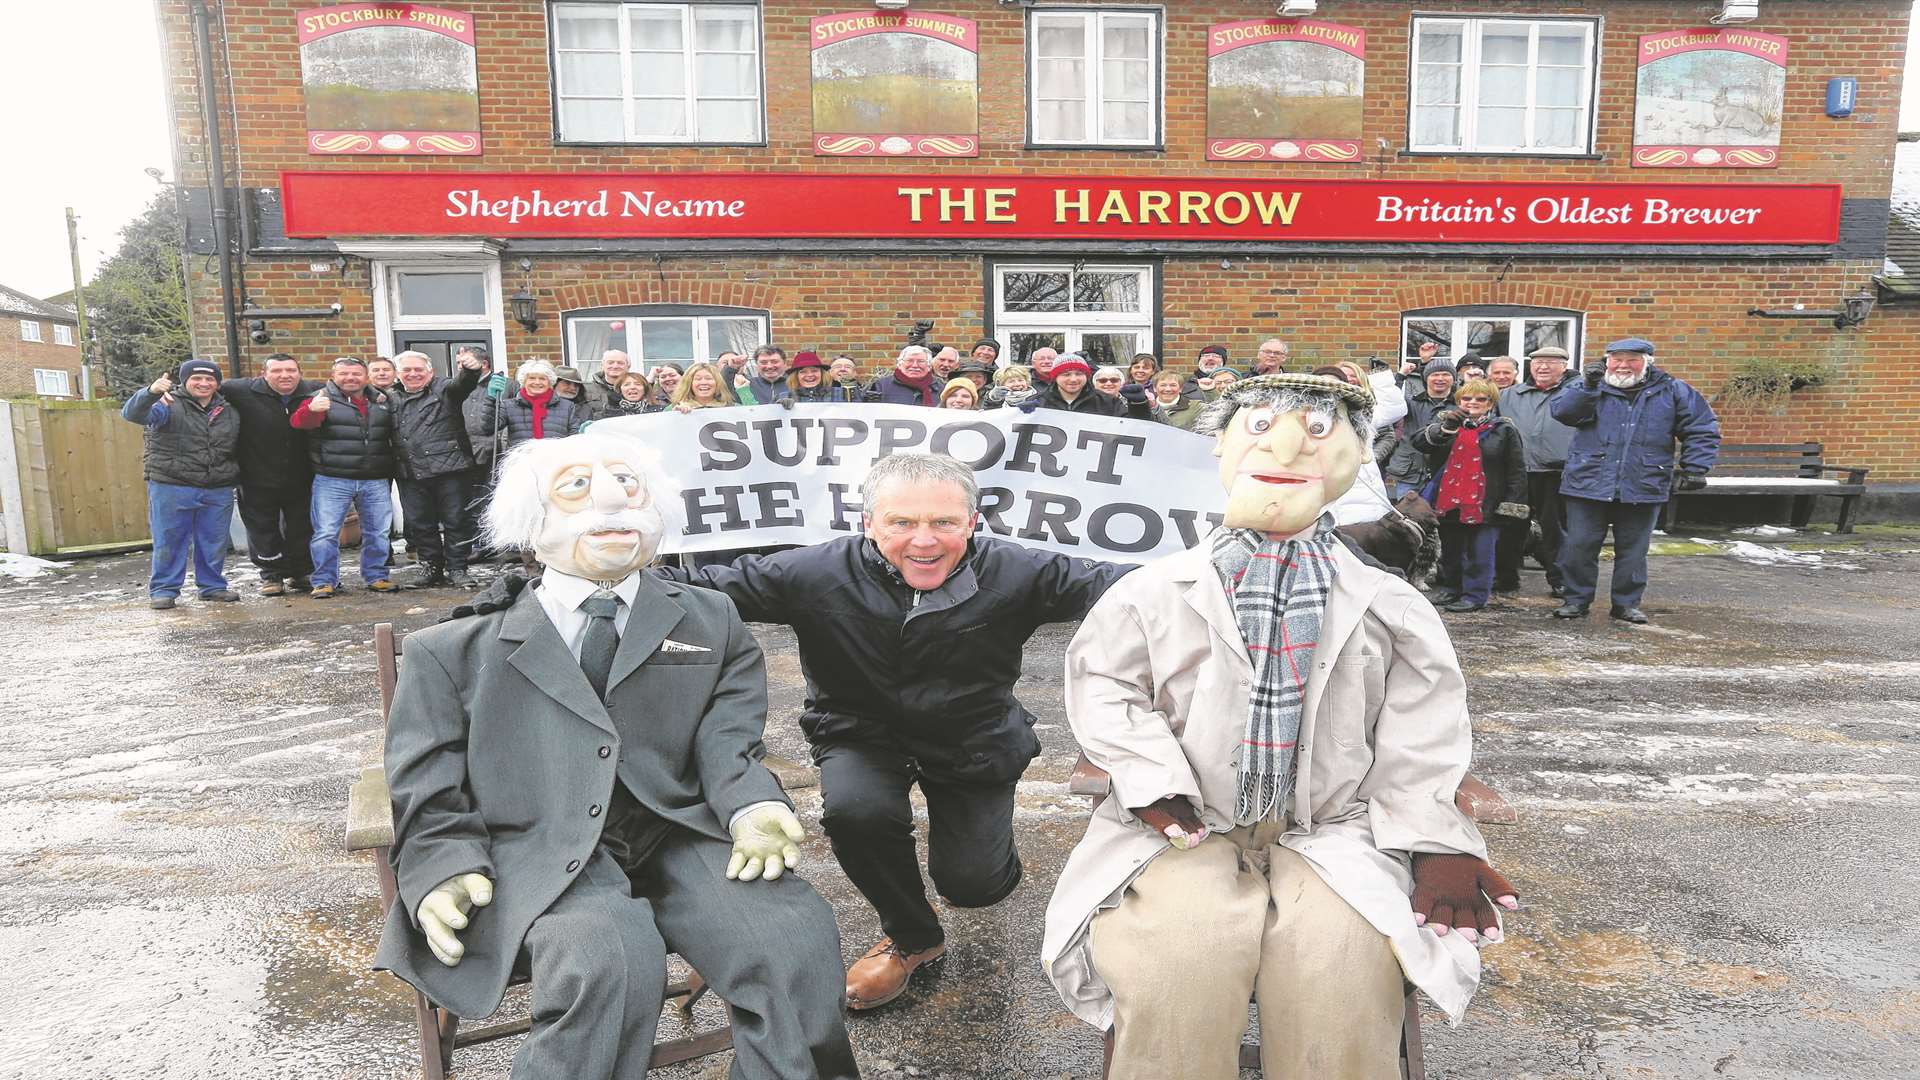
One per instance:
(39, 347)
(1354, 210)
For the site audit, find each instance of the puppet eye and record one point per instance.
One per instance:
(1259, 421)
(1319, 425)
(573, 485)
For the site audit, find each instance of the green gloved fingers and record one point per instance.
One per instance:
(766, 841)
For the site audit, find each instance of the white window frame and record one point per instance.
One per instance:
(702, 344)
(30, 330)
(1474, 26)
(1074, 324)
(386, 295)
(52, 382)
(1094, 86)
(62, 334)
(1516, 329)
(690, 95)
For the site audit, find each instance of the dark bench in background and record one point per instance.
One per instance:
(1792, 469)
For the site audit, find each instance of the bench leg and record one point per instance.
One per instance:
(1669, 513)
(1846, 513)
(433, 1048)
(1802, 511)
(1413, 1055)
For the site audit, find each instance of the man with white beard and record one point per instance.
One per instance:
(1626, 415)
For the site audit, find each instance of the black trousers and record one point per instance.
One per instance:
(279, 524)
(1550, 513)
(970, 849)
(439, 519)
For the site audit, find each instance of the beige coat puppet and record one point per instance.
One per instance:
(1282, 829)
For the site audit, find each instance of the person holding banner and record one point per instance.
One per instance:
(910, 639)
(1069, 392)
(701, 388)
(807, 381)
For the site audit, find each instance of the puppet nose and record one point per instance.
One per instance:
(607, 493)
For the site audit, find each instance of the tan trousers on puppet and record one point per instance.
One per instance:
(1200, 932)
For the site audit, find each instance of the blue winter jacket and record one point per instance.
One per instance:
(1623, 439)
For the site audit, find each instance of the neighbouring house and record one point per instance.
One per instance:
(39, 347)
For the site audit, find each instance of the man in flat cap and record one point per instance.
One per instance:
(1627, 415)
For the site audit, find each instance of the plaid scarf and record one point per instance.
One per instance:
(1279, 593)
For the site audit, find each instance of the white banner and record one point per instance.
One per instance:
(1101, 487)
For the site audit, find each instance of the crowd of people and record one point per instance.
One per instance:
(1542, 464)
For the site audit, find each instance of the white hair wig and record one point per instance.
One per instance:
(535, 367)
(518, 510)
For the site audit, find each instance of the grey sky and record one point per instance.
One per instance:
(85, 113)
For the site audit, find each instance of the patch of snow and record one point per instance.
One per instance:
(1764, 531)
(1760, 553)
(26, 566)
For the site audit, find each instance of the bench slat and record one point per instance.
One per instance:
(369, 812)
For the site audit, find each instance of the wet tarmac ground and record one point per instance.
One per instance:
(1716, 853)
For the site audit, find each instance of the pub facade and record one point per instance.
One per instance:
(553, 178)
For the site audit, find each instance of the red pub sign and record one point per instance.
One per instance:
(697, 206)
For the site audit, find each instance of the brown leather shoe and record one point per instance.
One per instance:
(882, 974)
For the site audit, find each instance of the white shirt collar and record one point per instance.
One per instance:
(573, 591)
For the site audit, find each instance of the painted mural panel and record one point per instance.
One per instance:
(389, 78)
(895, 84)
(1710, 99)
(1285, 90)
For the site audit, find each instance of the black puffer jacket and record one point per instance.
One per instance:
(564, 417)
(1502, 458)
(349, 444)
(929, 674)
(1094, 402)
(194, 446)
(272, 453)
(429, 434)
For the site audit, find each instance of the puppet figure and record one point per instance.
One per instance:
(577, 791)
(1284, 726)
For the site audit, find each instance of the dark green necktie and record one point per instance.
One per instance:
(601, 640)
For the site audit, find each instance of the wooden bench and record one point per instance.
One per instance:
(1795, 469)
(370, 828)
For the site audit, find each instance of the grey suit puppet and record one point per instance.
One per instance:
(540, 825)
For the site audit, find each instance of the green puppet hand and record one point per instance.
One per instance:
(445, 910)
(766, 841)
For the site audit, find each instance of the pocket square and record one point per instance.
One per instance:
(675, 646)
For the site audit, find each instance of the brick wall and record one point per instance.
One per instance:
(19, 358)
(1328, 307)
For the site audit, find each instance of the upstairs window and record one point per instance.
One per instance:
(1093, 77)
(62, 334)
(30, 330)
(1502, 86)
(657, 73)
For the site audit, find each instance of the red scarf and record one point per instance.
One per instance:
(1463, 481)
(539, 402)
(924, 384)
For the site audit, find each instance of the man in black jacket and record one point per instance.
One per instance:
(276, 481)
(349, 430)
(436, 467)
(910, 640)
(1070, 392)
(190, 468)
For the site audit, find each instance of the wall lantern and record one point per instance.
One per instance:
(524, 311)
(890, 5)
(1295, 9)
(1733, 11)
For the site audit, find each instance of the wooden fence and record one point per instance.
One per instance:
(70, 478)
